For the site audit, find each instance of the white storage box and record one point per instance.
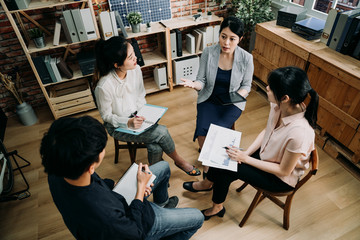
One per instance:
(185, 68)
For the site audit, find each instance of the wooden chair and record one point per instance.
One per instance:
(131, 146)
(261, 193)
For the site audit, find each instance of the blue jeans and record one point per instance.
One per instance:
(176, 223)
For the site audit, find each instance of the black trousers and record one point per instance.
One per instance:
(254, 176)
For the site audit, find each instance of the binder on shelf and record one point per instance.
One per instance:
(42, 70)
(178, 42)
(160, 77)
(53, 63)
(113, 24)
(198, 37)
(337, 29)
(345, 31)
(11, 5)
(64, 69)
(352, 37)
(88, 23)
(173, 44)
(356, 53)
(49, 68)
(138, 54)
(190, 43)
(79, 25)
(105, 25)
(71, 26)
(209, 35)
(328, 25)
(57, 30)
(203, 39)
(22, 4)
(216, 34)
(120, 24)
(65, 30)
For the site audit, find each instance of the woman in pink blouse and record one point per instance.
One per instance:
(279, 155)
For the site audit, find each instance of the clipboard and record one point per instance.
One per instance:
(230, 98)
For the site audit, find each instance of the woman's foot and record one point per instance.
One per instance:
(210, 212)
(189, 170)
(203, 186)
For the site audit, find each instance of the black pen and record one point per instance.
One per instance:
(234, 147)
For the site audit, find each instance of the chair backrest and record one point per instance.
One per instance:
(314, 162)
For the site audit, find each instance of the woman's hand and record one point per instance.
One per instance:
(236, 154)
(187, 83)
(136, 122)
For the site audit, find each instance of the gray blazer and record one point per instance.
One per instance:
(241, 74)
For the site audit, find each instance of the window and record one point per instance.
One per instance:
(320, 8)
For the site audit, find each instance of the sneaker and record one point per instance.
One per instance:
(173, 202)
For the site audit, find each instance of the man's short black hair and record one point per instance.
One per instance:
(71, 145)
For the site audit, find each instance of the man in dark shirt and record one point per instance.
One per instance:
(71, 151)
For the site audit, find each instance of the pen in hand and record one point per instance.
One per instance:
(227, 148)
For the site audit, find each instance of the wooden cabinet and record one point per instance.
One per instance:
(336, 78)
(68, 96)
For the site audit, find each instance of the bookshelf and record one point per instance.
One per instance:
(68, 96)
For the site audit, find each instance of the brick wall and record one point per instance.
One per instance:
(12, 55)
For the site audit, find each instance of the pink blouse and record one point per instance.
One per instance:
(295, 135)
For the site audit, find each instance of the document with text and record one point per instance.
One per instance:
(213, 152)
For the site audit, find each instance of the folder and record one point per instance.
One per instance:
(55, 69)
(113, 24)
(138, 54)
(88, 23)
(190, 43)
(22, 4)
(160, 77)
(79, 25)
(11, 5)
(338, 29)
(328, 25)
(178, 42)
(203, 39)
(42, 70)
(352, 37)
(65, 30)
(71, 26)
(49, 68)
(173, 44)
(57, 30)
(209, 35)
(197, 34)
(345, 31)
(105, 25)
(216, 34)
(64, 69)
(120, 24)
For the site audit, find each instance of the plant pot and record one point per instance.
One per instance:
(135, 28)
(26, 114)
(148, 29)
(39, 42)
(209, 17)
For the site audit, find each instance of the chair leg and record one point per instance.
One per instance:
(132, 151)
(116, 143)
(254, 203)
(242, 187)
(286, 219)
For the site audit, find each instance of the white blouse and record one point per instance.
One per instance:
(117, 99)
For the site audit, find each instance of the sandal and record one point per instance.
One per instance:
(194, 172)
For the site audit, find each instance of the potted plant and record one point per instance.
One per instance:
(148, 27)
(134, 18)
(23, 110)
(252, 12)
(37, 35)
(209, 15)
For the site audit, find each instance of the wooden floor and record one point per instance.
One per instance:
(327, 207)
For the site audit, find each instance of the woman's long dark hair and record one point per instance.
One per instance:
(109, 52)
(293, 81)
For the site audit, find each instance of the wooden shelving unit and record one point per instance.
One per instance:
(68, 96)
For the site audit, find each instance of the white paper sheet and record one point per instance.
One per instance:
(213, 153)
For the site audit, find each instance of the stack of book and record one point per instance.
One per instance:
(51, 69)
(77, 25)
(342, 32)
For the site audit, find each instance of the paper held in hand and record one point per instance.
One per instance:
(213, 153)
(152, 114)
(127, 185)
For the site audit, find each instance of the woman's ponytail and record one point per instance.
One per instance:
(312, 108)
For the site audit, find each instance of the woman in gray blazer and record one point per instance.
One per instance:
(224, 67)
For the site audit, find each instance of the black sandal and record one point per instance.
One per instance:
(194, 172)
